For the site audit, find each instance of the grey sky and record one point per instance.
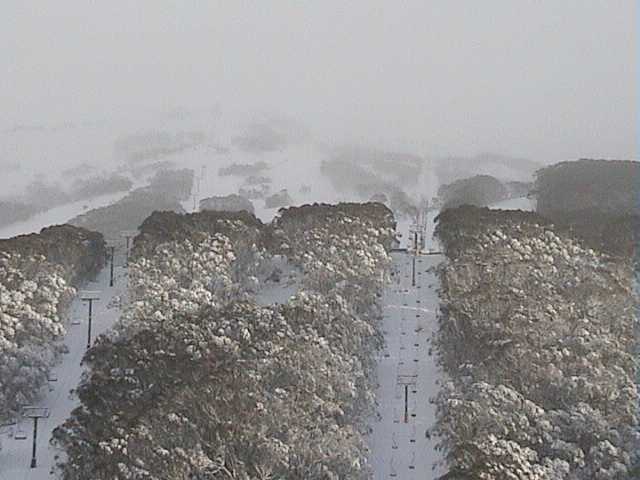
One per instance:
(549, 80)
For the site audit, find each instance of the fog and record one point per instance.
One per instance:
(546, 80)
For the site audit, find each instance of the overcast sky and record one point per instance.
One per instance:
(549, 80)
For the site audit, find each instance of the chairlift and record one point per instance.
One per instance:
(20, 434)
(52, 377)
(75, 321)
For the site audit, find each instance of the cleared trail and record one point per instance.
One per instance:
(407, 373)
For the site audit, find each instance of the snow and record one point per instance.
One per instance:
(521, 203)
(58, 215)
(15, 456)
(399, 447)
(297, 165)
(271, 292)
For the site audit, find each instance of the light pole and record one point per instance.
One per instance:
(89, 296)
(35, 413)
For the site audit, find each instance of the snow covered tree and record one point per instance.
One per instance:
(536, 312)
(33, 297)
(198, 381)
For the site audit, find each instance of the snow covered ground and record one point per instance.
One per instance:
(15, 456)
(407, 372)
(58, 215)
(280, 291)
(521, 203)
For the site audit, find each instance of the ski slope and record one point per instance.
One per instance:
(520, 203)
(407, 372)
(58, 215)
(15, 456)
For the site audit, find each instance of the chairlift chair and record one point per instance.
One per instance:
(51, 378)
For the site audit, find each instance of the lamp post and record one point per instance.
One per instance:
(89, 296)
(35, 413)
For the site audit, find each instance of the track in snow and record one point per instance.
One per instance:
(15, 456)
(407, 374)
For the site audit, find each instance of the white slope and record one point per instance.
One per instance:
(407, 372)
(296, 164)
(58, 215)
(289, 169)
(520, 203)
(15, 456)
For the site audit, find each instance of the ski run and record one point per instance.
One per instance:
(407, 374)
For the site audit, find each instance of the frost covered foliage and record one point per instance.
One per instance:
(37, 272)
(343, 259)
(342, 251)
(202, 383)
(33, 293)
(364, 220)
(239, 393)
(79, 252)
(242, 228)
(178, 279)
(536, 336)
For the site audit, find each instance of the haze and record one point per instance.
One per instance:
(547, 80)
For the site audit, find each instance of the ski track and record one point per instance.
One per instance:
(15, 456)
(407, 373)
